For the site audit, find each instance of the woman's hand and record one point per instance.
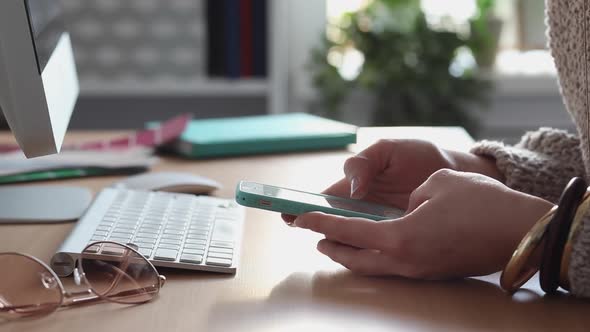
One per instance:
(388, 171)
(458, 225)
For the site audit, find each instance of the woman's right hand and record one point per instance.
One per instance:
(390, 170)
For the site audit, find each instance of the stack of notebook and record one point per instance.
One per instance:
(225, 137)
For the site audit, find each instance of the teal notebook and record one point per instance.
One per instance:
(226, 137)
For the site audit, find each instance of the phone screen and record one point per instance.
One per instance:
(326, 201)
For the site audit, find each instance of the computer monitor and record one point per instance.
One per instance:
(38, 92)
(38, 79)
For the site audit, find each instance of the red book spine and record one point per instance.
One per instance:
(246, 46)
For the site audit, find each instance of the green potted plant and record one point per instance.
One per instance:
(409, 68)
(484, 38)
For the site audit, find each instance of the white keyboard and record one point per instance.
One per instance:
(171, 230)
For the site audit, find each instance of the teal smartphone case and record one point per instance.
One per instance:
(295, 208)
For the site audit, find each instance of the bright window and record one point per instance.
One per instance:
(522, 43)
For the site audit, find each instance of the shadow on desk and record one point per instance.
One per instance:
(343, 301)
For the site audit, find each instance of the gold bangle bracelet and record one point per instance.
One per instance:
(516, 273)
(567, 249)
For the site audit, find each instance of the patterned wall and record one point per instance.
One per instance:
(138, 40)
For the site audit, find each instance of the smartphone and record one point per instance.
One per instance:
(295, 202)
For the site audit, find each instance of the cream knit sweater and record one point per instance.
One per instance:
(544, 161)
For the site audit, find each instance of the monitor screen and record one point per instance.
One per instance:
(47, 23)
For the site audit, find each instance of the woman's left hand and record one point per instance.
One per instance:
(458, 225)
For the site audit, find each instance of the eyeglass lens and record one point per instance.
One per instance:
(27, 287)
(119, 274)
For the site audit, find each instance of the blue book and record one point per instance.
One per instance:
(216, 62)
(260, 37)
(232, 38)
(226, 137)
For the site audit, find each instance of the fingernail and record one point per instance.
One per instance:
(321, 246)
(297, 222)
(354, 187)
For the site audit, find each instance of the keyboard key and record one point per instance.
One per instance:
(179, 217)
(192, 259)
(204, 231)
(151, 219)
(156, 227)
(171, 241)
(166, 254)
(219, 255)
(173, 232)
(98, 238)
(145, 240)
(124, 230)
(93, 249)
(172, 236)
(122, 234)
(195, 246)
(199, 227)
(174, 227)
(194, 251)
(197, 237)
(221, 250)
(113, 251)
(222, 244)
(169, 246)
(147, 235)
(121, 237)
(148, 230)
(145, 246)
(128, 219)
(147, 253)
(219, 262)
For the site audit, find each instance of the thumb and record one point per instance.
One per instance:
(438, 181)
(361, 169)
(419, 196)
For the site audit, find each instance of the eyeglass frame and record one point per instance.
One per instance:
(67, 298)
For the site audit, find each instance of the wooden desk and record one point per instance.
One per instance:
(284, 284)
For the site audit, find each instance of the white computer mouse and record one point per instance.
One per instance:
(178, 182)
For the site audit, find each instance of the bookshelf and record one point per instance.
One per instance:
(214, 87)
(122, 50)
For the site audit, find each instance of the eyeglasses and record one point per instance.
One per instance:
(111, 272)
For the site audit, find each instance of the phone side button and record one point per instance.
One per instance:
(265, 202)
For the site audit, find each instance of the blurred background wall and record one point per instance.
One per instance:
(142, 60)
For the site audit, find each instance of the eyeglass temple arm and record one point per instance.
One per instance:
(93, 298)
(20, 309)
(31, 308)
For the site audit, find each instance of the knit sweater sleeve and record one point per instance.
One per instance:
(541, 164)
(579, 268)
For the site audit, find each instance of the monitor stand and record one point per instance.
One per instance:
(42, 204)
